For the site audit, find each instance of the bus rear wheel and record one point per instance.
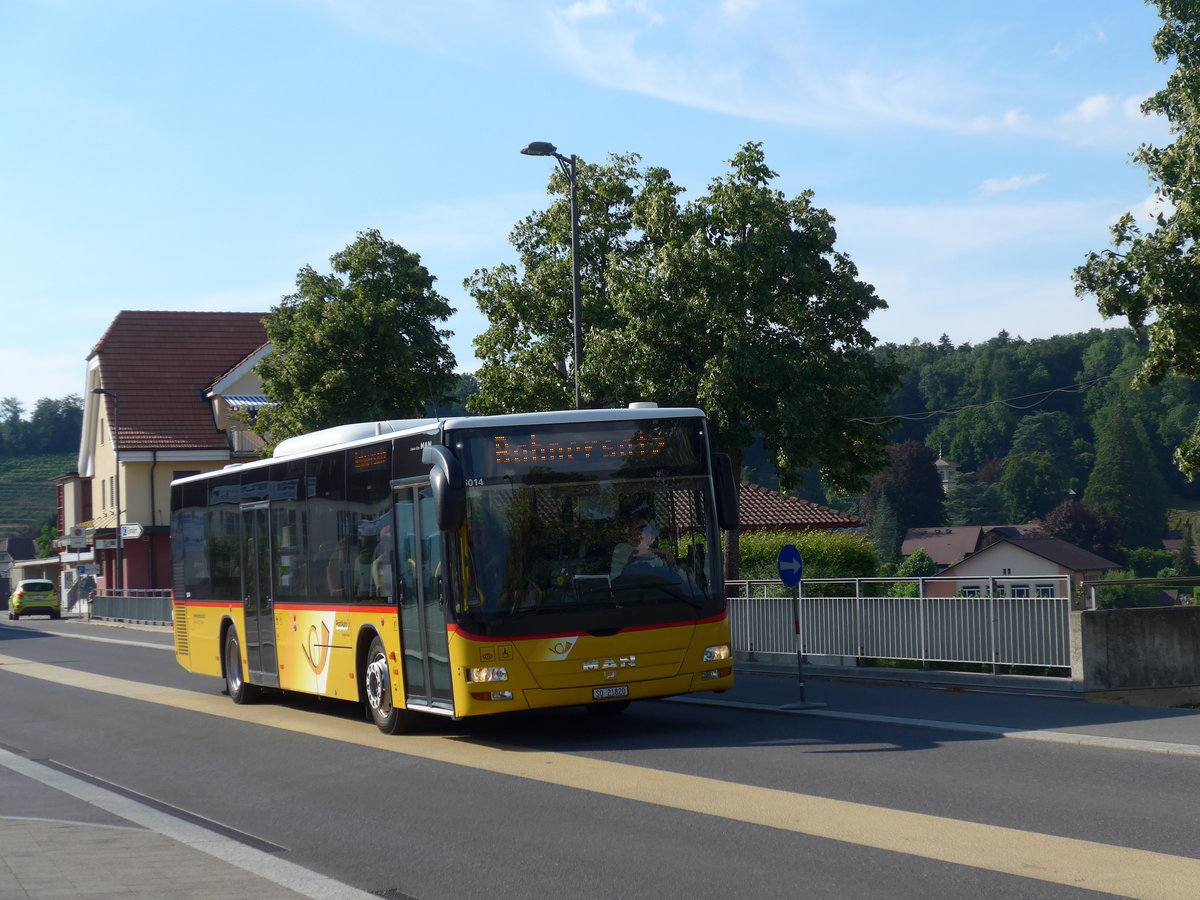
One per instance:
(235, 683)
(377, 681)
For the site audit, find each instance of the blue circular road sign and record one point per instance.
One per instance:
(790, 565)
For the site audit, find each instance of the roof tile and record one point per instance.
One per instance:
(159, 364)
(764, 508)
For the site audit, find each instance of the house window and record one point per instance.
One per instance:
(971, 591)
(103, 494)
(1020, 590)
(112, 491)
(1044, 590)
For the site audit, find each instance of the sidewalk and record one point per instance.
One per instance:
(62, 836)
(954, 707)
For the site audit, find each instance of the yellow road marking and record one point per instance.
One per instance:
(1105, 868)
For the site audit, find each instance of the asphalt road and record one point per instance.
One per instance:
(668, 800)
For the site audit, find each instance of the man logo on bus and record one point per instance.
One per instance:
(317, 652)
(622, 662)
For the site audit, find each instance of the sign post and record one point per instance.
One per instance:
(790, 566)
(791, 569)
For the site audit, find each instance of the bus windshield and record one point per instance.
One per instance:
(608, 528)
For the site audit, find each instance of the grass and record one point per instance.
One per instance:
(27, 491)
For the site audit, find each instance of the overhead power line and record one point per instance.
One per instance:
(1011, 403)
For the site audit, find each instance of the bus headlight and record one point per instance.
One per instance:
(494, 673)
(714, 654)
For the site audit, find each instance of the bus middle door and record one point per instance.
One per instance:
(257, 605)
(422, 613)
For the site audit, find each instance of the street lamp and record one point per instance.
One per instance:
(567, 164)
(117, 484)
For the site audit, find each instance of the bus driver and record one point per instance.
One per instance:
(638, 555)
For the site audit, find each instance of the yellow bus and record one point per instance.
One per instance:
(463, 566)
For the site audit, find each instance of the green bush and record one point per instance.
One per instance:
(827, 554)
(1147, 563)
(1127, 596)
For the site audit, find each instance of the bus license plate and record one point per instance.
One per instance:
(610, 693)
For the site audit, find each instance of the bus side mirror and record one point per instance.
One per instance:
(448, 486)
(726, 488)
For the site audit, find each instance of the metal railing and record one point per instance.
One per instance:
(927, 620)
(147, 607)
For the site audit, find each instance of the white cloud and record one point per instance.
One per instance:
(940, 233)
(755, 60)
(971, 269)
(29, 374)
(1093, 35)
(587, 9)
(738, 7)
(426, 26)
(1015, 183)
(1026, 305)
(1090, 109)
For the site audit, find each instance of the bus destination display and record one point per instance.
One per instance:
(599, 450)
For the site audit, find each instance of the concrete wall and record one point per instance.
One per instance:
(1149, 656)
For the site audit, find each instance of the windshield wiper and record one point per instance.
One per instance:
(663, 589)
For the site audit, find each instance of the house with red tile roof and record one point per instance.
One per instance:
(162, 394)
(762, 509)
(1022, 565)
(948, 544)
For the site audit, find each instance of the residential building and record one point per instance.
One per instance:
(1021, 566)
(762, 508)
(13, 550)
(162, 396)
(948, 544)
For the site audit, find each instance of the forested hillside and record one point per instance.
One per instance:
(28, 496)
(33, 452)
(1031, 425)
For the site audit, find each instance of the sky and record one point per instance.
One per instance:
(174, 155)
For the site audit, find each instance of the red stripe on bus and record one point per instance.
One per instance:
(462, 632)
(346, 608)
(295, 607)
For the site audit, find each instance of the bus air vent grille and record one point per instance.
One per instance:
(181, 635)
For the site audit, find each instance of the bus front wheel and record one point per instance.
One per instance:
(378, 683)
(235, 683)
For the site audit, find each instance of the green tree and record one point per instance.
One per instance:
(1184, 561)
(1126, 481)
(973, 502)
(973, 436)
(918, 564)
(1032, 485)
(1045, 432)
(1084, 525)
(356, 349)
(47, 536)
(11, 431)
(736, 302)
(886, 533)
(911, 487)
(1152, 277)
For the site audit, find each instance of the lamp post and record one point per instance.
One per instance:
(567, 164)
(117, 484)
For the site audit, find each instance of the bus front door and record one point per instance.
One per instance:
(257, 605)
(422, 599)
